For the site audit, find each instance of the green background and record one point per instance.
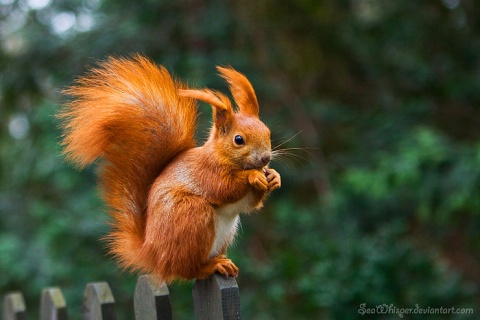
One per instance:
(379, 205)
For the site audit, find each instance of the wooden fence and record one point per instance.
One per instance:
(216, 297)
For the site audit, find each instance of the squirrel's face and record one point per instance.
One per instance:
(247, 143)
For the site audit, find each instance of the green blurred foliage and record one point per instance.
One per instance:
(379, 206)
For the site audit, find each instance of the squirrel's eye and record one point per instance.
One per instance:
(239, 140)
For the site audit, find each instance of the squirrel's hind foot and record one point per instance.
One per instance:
(220, 264)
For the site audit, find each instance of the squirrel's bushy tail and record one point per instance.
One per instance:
(128, 113)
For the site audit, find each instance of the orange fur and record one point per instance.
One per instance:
(174, 206)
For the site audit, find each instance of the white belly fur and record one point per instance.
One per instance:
(227, 221)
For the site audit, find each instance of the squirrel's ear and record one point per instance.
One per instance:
(221, 105)
(241, 89)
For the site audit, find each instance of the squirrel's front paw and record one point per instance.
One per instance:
(273, 178)
(258, 180)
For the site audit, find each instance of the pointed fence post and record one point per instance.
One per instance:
(53, 305)
(98, 302)
(14, 307)
(151, 300)
(216, 297)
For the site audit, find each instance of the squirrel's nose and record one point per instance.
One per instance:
(266, 158)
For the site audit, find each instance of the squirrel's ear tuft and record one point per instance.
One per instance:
(241, 89)
(222, 107)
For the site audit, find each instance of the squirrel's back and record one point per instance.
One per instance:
(129, 114)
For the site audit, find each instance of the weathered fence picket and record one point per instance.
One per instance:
(14, 307)
(151, 300)
(53, 305)
(98, 302)
(216, 297)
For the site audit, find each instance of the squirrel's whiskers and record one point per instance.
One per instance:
(283, 155)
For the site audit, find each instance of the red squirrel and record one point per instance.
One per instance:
(175, 206)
